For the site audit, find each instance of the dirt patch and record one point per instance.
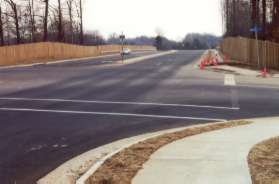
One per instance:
(263, 161)
(122, 167)
(225, 71)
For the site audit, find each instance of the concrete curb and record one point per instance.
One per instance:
(142, 58)
(68, 173)
(83, 179)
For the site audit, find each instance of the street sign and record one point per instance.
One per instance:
(256, 29)
(122, 37)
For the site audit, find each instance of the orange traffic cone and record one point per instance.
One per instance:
(206, 61)
(215, 62)
(202, 66)
(264, 73)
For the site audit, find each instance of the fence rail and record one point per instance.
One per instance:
(245, 50)
(46, 51)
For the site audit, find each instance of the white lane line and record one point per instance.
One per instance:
(229, 80)
(123, 103)
(111, 114)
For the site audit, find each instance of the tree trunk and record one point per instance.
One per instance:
(254, 14)
(32, 20)
(60, 26)
(13, 6)
(254, 11)
(264, 19)
(275, 20)
(1, 29)
(81, 22)
(16, 25)
(46, 21)
(234, 18)
(70, 8)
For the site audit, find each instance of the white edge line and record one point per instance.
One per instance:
(116, 102)
(111, 114)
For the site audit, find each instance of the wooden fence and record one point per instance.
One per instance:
(47, 51)
(245, 50)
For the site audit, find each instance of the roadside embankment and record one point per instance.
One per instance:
(49, 51)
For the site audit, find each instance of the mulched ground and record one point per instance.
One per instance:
(264, 162)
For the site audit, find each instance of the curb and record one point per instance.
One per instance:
(70, 171)
(138, 59)
(83, 179)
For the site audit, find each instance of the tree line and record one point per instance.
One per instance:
(25, 21)
(28, 21)
(239, 16)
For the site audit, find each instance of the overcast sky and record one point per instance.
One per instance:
(175, 18)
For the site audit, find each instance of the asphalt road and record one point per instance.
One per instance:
(52, 113)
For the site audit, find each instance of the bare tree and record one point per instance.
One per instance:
(1, 27)
(31, 14)
(41, 20)
(70, 9)
(45, 37)
(60, 36)
(80, 14)
(264, 18)
(14, 15)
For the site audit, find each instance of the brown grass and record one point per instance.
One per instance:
(264, 162)
(122, 167)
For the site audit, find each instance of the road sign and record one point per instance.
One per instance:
(122, 37)
(256, 29)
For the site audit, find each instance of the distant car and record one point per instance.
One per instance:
(125, 51)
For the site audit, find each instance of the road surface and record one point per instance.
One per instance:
(52, 113)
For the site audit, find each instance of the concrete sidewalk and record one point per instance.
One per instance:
(218, 157)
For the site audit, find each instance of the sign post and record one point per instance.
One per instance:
(256, 30)
(122, 37)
